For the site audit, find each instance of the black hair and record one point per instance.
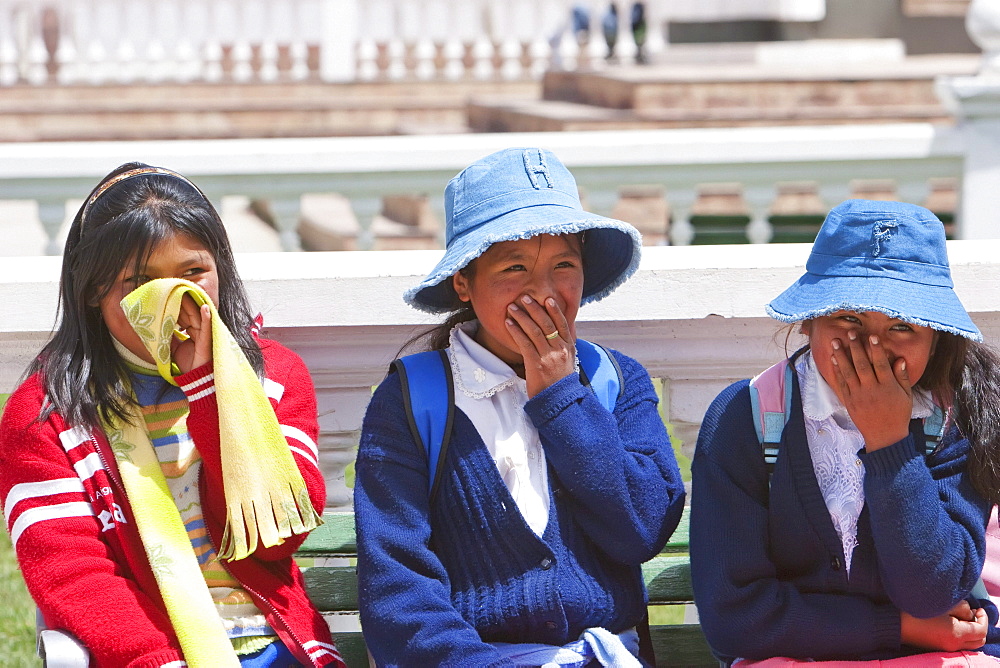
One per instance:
(438, 337)
(122, 222)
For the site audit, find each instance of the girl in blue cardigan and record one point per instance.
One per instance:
(547, 501)
(857, 545)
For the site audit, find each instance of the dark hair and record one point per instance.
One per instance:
(122, 221)
(977, 413)
(438, 336)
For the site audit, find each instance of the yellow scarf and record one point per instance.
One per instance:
(266, 497)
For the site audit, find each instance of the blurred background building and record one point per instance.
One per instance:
(758, 114)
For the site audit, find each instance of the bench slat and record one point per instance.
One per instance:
(681, 645)
(668, 580)
(335, 537)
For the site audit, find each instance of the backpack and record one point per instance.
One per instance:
(771, 406)
(429, 396)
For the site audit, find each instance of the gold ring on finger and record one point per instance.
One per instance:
(552, 335)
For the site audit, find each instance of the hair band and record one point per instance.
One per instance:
(118, 178)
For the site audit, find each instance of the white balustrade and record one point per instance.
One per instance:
(126, 41)
(693, 316)
(365, 169)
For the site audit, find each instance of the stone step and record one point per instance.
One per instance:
(548, 116)
(173, 111)
(728, 94)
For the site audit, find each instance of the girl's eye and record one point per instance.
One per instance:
(565, 265)
(194, 271)
(136, 281)
(515, 267)
(902, 327)
(851, 319)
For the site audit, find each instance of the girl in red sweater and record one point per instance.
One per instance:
(120, 464)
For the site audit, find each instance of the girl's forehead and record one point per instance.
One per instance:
(532, 245)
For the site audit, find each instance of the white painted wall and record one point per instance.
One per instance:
(694, 316)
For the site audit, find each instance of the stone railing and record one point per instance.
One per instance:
(693, 316)
(757, 165)
(125, 41)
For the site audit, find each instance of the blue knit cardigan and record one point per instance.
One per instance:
(768, 566)
(436, 584)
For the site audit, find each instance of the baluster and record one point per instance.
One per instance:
(504, 32)
(417, 19)
(187, 65)
(482, 45)
(372, 17)
(52, 215)
(273, 17)
(365, 207)
(597, 47)
(341, 409)
(211, 15)
(8, 50)
(395, 48)
(67, 55)
(160, 19)
(95, 61)
(304, 15)
(452, 49)
(759, 199)
(242, 51)
(287, 211)
(35, 71)
(130, 66)
(656, 29)
(681, 203)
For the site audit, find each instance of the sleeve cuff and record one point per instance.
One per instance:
(890, 459)
(551, 401)
(198, 383)
(887, 627)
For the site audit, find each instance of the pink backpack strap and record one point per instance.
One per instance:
(771, 405)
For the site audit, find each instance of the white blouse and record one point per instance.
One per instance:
(492, 396)
(834, 443)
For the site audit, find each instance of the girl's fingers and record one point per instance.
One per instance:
(881, 367)
(535, 321)
(521, 340)
(859, 358)
(902, 375)
(846, 374)
(559, 318)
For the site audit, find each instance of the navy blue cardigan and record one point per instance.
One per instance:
(768, 568)
(436, 584)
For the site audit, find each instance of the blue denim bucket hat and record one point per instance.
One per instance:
(889, 257)
(519, 193)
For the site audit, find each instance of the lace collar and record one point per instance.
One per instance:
(820, 402)
(478, 373)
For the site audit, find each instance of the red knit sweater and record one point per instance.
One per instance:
(78, 547)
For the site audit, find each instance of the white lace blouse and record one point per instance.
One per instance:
(492, 396)
(834, 443)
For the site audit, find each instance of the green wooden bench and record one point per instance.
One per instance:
(334, 591)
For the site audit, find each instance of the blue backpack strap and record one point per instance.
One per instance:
(773, 409)
(428, 395)
(933, 429)
(599, 370)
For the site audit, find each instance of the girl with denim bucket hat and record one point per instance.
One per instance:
(524, 546)
(840, 497)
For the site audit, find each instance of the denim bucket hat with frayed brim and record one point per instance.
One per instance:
(519, 193)
(889, 257)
